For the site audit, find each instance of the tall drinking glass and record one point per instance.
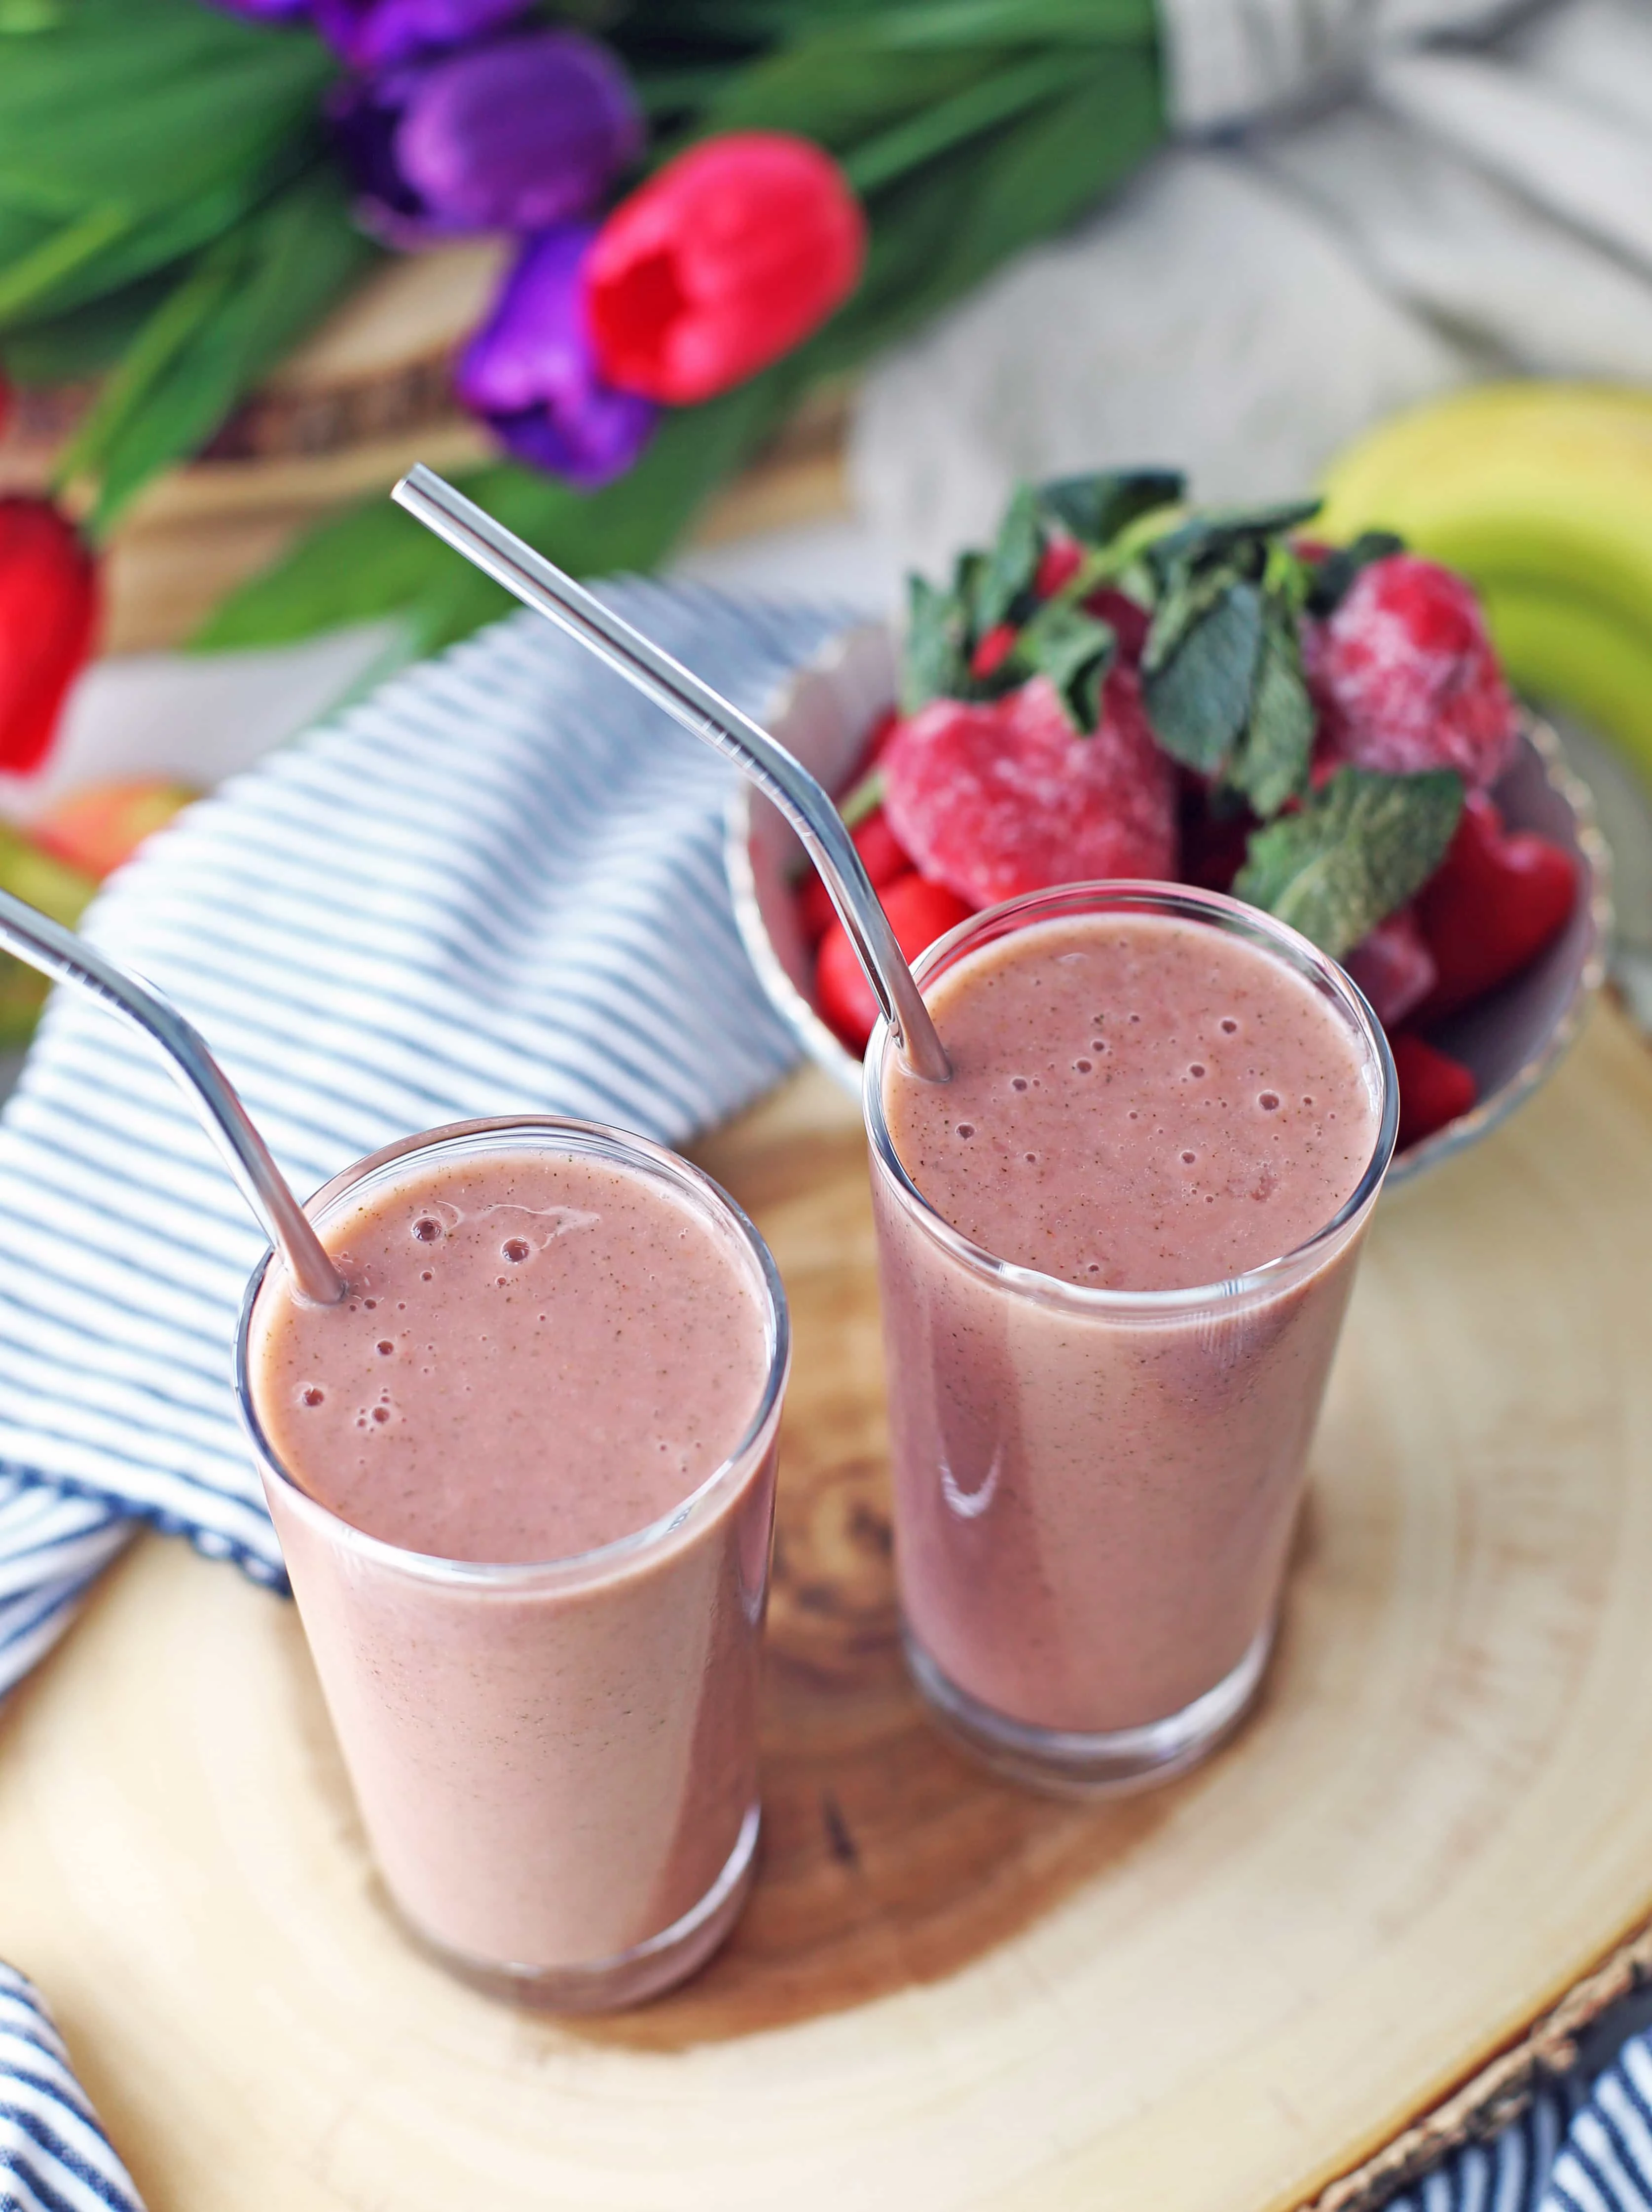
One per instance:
(555, 1760)
(1095, 1488)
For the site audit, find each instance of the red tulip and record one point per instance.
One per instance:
(48, 613)
(726, 260)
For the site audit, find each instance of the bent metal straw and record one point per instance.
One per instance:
(58, 952)
(539, 584)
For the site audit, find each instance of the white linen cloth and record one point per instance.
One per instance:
(1372, 200)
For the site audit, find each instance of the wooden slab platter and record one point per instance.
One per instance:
(946, 1994)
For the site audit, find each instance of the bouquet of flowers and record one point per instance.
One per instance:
(716, 204)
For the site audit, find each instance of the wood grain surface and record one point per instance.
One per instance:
(946, 1994)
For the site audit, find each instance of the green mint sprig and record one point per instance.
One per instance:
(1105, 514)
(1221, 676)
(1352, 852)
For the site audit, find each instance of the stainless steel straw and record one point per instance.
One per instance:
(500, 554)
(46, 944)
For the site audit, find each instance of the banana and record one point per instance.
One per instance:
(1482, 429)
(1541, 493)
(1562, 651)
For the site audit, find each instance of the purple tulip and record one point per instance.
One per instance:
(374, 34)
(366, 113)
(265, 11)
(530, 372)
(517, 136)
(521, 135)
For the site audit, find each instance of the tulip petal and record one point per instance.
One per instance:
(726, 260)
(519, 134)
(366, 113)
(374, 34)
(588, 449)
(531, 373)
(265, 11)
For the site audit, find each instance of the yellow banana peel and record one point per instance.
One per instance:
(1541, 493)
(1563, 652)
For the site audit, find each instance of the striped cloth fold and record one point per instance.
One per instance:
(496, 887)
(54, 2155)
(1574, 2148)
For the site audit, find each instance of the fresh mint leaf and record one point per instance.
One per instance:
(1219, 533)
(1197, 690)
(1356, 850)
(1270, 764)
(1186, 597)
(1095, 509)
(933, 665)
(1010, 568)
(1333, 576)
(1075, 651)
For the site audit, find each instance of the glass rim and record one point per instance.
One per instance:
(581, 1136)
(1141, 897)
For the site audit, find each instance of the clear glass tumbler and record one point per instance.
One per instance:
(555, 1762)
(1094, 1489)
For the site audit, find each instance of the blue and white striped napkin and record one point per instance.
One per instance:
(497, 886)
(54, 2155)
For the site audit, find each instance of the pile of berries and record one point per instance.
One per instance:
(999, 784)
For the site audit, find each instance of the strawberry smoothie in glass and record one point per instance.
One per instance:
(1115, 1254)
(524, 1483)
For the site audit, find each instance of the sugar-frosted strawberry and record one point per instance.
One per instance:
(1434, 1088)
(1406, 676)
(1393, 966)
(995, 800)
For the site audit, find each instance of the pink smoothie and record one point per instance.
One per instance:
(544, 1351)
(1094, 1497)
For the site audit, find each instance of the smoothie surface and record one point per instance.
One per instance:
(1138, 1103)
(542, 1352)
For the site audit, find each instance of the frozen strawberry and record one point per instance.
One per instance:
(881, 854)
(997, 799)
(1492, 904)
(1393, 966)
(992, 649)
(1058, 564)
(1434, 1089)
(1406, 676)
(918, 913)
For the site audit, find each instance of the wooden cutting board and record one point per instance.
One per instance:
(945, 1994)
